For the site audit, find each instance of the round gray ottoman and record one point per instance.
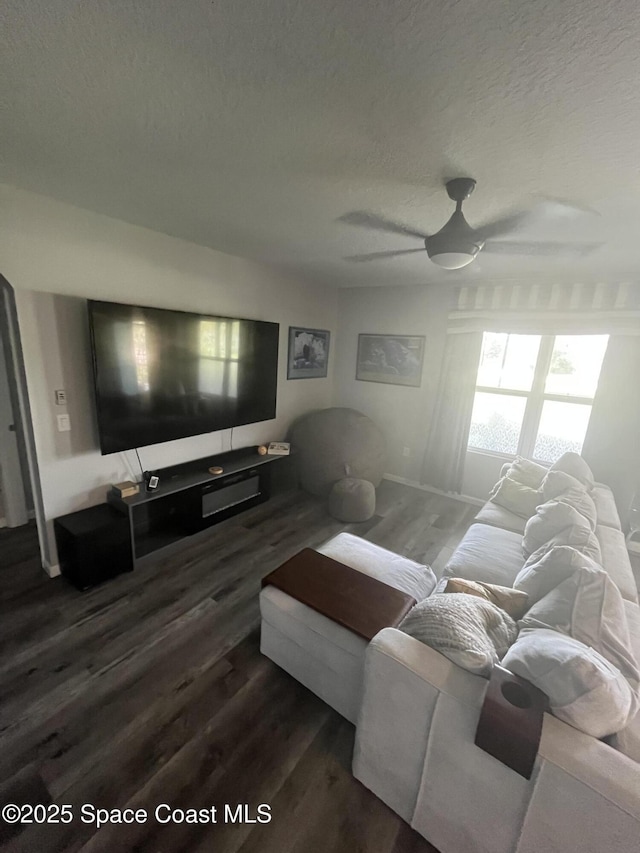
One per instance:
(352, 499)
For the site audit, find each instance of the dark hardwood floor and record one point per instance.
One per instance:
(151, 689)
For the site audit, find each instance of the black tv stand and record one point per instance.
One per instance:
(189, 498)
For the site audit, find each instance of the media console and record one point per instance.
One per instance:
(189, 498)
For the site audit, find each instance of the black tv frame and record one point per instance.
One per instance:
(106, 446)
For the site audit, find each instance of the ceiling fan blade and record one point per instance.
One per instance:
(504, 225)
(370, 220)
(540, 249)
(377, 256)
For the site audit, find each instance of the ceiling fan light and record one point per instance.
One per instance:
(453, 260)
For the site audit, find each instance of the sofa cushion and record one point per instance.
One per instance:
(557, 482)
(400, 572)
(515, 602)
(498, 516)
(574, 464)
(470, 631)
(487, 554)
(552, 518)
(563, 487)
(584, 689)
(606, 508)
(516, 497)
(588, 607)
(548, 567)
(615, 560)
(527, 472)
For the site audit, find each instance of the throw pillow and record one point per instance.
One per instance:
(563, 487)
(584, 689)
(580, 538)
(551, 518)
(557, 482)
(527, 472)
(471, 632)
(516, 497)
(588, 606)
(549, 566)
(574, 464)
(513, 601)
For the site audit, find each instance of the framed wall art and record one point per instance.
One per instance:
(392, 359)
(308, 353)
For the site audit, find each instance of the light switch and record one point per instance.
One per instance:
(64, 424)
(61, 397)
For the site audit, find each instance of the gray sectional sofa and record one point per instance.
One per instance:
(415, 731)
(416, 711)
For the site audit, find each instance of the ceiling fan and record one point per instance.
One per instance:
(457, 244)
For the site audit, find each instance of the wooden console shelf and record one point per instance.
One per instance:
(190, 499)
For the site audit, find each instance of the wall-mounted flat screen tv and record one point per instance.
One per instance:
(161, 375)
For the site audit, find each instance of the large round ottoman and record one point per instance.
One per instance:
(352, 499)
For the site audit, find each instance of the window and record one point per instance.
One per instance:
(534, 393)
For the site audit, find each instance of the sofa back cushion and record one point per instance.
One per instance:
(574, 464)
(553, 518)
(588, 607)
(584, 689)
(548, 567)
(563, 487)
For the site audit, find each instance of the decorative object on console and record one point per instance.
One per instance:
(216, 469)
(125, 489)
(278, 448)
(391, 359)
(263, 449)
(308, 353)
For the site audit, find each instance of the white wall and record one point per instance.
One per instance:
(56, 256)
(404, 414)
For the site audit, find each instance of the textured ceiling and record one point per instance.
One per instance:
(251, 125)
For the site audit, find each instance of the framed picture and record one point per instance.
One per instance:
(308, 353)
(392, 359)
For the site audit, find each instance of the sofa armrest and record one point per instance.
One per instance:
(415, 750)
(402, 681)
(587, 795)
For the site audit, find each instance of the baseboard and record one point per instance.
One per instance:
(467, 499)
(52, 571)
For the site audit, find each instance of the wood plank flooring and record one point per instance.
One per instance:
(151, 689)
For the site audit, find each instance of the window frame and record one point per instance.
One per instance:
(536, 398)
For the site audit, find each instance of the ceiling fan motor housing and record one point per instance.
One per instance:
(456, 239)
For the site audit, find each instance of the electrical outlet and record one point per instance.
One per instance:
(64, 424)
(406, 451)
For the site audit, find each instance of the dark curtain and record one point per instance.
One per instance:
(612, 444)
(447, 444)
